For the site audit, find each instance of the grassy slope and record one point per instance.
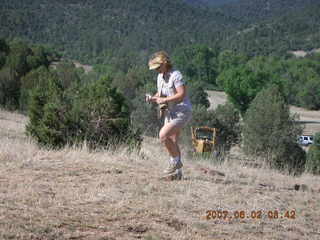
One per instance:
(75, 194)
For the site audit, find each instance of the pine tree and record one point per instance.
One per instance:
(270, 131)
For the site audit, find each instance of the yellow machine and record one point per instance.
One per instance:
(204, 139)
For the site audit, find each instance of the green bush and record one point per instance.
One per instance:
(95, 113)
(225, 119)
(4, 50)
(48, 114)
(270, 131)
(313, 156)
(313, 160)
(229, 118)
(197, 94)
(144, 116)
(9, 89)
(308, 95)
(18, 71)
(30, 81)
(101, 113)
(242, 84)
(290, 158)
(133, 85)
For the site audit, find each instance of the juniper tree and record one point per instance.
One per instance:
(270, 131)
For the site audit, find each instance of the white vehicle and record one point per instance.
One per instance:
(305, 139)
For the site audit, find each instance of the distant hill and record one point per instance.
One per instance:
(296, 30)
(211, 2)
(87, 29)
(253, 10)
(106, 30)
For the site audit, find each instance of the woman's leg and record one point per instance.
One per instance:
(168, 136)
(175, 139)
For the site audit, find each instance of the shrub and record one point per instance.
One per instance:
(225, 118)
(95, 113)
(313, 160)
(197, 95)
(101, 114)
(313, 156)
(9, 89)
(47, 112)
(30, 81)
(4, 50)
(308, 95)
(18, 60)
(144, 116)
(270, 131)
(229, 118)
(290, 158)
(134, 83)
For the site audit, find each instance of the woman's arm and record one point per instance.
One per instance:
(178, 97)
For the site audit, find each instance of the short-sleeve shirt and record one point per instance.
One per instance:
(167, 87)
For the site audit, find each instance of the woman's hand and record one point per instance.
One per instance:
(150, 98)
(160, 100)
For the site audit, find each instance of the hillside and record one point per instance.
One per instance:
(106, 31)
(251, 11)
(286, 31)
(86, 30)
(211, 2)
(77, 194)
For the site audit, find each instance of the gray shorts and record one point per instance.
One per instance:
(178, 118)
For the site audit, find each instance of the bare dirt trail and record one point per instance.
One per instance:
(216, 98)
(311, 119)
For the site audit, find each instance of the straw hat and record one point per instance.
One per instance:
(157, 59)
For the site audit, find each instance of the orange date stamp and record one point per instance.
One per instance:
(255, 214)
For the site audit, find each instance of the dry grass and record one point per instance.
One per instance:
(77, 194)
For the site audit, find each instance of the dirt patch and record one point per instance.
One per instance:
(216, 98)
(86, 68)
(311, 119)
(299, 53)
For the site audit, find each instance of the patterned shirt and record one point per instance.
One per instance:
(167, 87)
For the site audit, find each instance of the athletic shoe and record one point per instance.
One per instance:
(173, 167)
(172, 177)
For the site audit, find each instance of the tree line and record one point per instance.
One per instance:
(128, 31)
(67, 106)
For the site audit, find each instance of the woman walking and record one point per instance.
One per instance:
(175, 107)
